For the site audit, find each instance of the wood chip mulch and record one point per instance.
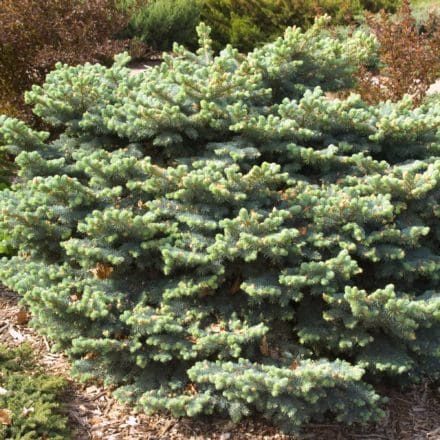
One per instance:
(94, 414)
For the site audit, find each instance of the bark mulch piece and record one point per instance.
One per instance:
(94, 414)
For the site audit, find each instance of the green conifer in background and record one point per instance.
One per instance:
(216, 235)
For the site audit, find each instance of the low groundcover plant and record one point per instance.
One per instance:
(30, 407)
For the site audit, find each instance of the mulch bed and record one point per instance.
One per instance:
(94, 414)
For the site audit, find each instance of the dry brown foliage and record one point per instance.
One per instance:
(409, 55)
(35, 34)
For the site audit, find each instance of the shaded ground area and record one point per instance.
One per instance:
(94, 414)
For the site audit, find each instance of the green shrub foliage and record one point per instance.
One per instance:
(218, 236)
(161, 22)
(4, 248)
(246, 23)
(7, 167)
(6, 174)
(29, 399)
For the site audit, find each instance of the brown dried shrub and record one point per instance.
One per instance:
(409, 56)
(35, 34)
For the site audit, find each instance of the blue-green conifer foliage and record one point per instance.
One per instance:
(219, 236)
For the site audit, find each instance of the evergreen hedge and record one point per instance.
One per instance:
(159, 23)
(246, 23)
(242, 23)
(218, 236)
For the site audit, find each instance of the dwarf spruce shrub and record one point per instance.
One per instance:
(216, 235)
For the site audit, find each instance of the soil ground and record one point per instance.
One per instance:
(94, 414)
